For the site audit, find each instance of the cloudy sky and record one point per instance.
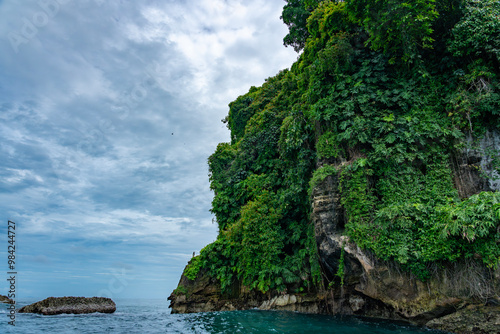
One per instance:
(108, 113)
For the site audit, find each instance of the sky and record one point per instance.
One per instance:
(109, 111)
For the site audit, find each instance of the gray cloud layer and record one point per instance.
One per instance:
(108, 113)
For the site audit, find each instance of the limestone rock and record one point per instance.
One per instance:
(279, 301)
(327, 217)
(475, 162)
(296, 303)
(356, 302)
(203, 295)
(75, 305)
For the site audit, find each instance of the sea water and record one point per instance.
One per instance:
(153, 316)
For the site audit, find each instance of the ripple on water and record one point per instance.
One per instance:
(153, 316)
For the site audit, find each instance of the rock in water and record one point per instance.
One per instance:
(5, 299)
(75, 305)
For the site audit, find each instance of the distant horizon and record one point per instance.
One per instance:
(36, 299)
(109, 112)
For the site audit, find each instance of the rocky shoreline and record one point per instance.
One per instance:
(70, 305)
(428, 310)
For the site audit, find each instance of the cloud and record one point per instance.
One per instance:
(118, 226)
(40, 259)
(108, 114)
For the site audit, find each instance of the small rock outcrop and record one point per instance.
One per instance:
(5, 299)
(70, 305)
(474, 168)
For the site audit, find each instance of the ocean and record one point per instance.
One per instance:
(153, 316)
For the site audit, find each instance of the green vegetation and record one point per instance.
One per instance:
(383, 96)
(193, 268)
(180, 290)
(320, 175)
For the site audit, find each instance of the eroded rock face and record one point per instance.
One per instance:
(488, 148)
(327, 217)
(294, 303)
(201, 295)
(204, 295)
(475, 168)
(75, 305)
(372, 284)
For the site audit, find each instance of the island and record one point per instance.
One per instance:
(364, 179)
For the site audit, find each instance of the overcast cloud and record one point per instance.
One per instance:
(108, 113)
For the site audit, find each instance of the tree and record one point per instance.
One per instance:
(294, 15)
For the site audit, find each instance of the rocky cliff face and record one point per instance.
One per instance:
(487, 150)
(368, 280)
(461, 298)
(475, 168)
(204, 295)
(464, 294)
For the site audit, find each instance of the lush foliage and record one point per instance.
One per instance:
(398, 27)
(295, 14)
(477, 34)
(384, 95)
(193, 268)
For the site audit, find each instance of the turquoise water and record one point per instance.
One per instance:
(153, 316)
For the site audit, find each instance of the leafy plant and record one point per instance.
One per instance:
(477, 33)
(341, 270)
(327, 146)
(475, 219)
(193, 268)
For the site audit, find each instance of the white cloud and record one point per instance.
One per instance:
(117, 226)
(18, 175)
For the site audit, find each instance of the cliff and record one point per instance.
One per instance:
(364, 180)
(462, 297)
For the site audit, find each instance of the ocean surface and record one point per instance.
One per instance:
(153, 316)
